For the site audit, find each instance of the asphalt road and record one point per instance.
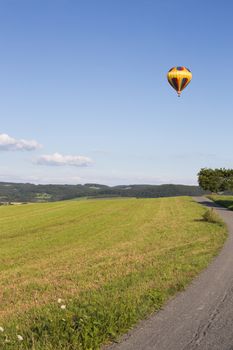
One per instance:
(201, 317)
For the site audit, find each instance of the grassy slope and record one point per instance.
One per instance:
(112, 263)
(225, 201)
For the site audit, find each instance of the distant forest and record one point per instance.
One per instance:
(26, 192)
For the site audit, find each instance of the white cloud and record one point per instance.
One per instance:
(8, 143)
(58, 159)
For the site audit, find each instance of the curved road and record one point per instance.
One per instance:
(201, 317)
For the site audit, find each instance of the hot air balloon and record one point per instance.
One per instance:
(179, 78)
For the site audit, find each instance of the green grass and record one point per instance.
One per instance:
(224, 201)
(111, 262)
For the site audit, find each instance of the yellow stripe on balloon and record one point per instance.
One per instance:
(179, 78)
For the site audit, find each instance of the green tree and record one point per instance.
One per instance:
(215, 180)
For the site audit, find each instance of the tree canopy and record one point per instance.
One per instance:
(216, 180)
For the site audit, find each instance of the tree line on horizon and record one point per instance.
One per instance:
(26, 192)
(210, 180)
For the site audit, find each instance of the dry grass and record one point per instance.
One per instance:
(135, 247)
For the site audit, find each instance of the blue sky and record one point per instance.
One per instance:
(86, 80)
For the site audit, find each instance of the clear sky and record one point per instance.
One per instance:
(86, 80)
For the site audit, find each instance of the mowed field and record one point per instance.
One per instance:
(111, 262)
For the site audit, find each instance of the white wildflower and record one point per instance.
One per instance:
(59, 300)
(20, 338)
(1, 329)
(63, 307)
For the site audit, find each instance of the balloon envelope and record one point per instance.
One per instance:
(179, 78)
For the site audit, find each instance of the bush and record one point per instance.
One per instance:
(211, 216)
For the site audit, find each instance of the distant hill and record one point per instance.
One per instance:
(26, 192)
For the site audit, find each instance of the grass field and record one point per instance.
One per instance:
(225, 201)
(110, 262)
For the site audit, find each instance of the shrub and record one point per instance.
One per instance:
(211, 216)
